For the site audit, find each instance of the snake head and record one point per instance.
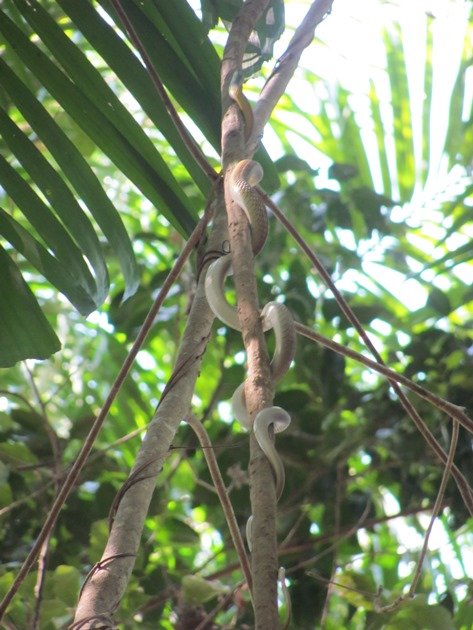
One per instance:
(235, 85)
(249, 172)
(276, 416)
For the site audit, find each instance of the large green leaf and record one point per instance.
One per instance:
(352, 141)
(131, 72)
(52, 269)
(80, 175)
(120, 148)
(182, 81)
(94, 106)
(187, 81)
(62, 202)
(45, 223)
(424, 162)
(187, 33)
(380, 134)
(24, 330)
(403, 132)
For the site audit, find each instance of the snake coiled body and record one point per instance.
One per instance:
(275, 316)
(241, 180)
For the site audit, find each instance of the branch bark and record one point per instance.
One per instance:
(277, 83)
(73, 474)
(108, 580)
(258, 386)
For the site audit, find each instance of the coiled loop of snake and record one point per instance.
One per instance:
(244, 176)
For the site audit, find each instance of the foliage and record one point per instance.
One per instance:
(98, 186)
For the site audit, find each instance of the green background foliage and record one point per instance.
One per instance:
(98, 191)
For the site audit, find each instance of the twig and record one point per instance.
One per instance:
(341, 483)
(277, 83)
(329, 582)
(40, 582)
(435, 511)
(18, 502)
(188, 140)
(222, 604)
(452, 410)
(52, 436)
(455, 411)
(207, 448)
(437, 506)
(57, 473)
(290, 550)
(339, 537)
(76, 468)
(444, 405)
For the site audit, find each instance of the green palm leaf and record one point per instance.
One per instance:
(63, 203)
(24, 330)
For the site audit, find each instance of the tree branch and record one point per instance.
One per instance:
(76, 468)
(225, 502)
(394, 378)
(286, 65)
(102, 592)
(452, 410)
(258, 386)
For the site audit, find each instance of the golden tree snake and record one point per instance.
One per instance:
(243, 177)
(273, 316)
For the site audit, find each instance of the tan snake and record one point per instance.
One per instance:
(244, 176)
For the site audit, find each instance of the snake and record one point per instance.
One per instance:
(235, 92)
(243, 177)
